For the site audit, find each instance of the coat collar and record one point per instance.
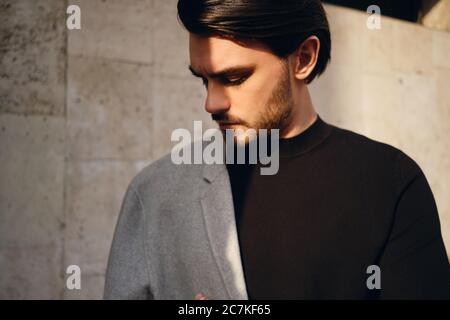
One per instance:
(218, 213)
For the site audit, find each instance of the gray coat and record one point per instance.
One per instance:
(176, 236)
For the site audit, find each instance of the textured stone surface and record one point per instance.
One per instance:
(170, 40)
(31, 272)
(91, 288)
(410, 120)
(378, 47)
(31, 206)
(95, 190)
(109, 110)
(441, 49)
(443, 93)
(113, 29)
(32, 180)
(179, 102)
(337, 96)
(412, 48)
(346, 28)
(436, 14)
(32, 57)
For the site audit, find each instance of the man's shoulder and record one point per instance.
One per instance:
(165, 173)
(376, 153)
(359, 142)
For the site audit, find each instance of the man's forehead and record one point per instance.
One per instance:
(214, 50)
(211, 53)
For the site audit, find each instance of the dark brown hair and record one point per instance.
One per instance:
(282, 25)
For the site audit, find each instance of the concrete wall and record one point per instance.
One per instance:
(32, 148)
(82, 111)
(436, 14)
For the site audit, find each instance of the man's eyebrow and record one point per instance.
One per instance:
(231, 71)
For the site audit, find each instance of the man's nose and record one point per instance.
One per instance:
(216, 100)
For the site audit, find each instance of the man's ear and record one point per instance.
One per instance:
(305, 57)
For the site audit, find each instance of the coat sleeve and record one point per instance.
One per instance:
(414, 264)
(127, 276)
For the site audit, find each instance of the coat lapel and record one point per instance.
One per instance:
(218, 213)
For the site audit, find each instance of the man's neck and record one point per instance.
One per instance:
(303, 114)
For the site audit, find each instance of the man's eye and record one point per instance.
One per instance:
(234, 81)
(227, 81)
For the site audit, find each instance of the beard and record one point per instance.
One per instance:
(279, 107)
(276, 112)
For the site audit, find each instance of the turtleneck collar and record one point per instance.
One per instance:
(312, 136)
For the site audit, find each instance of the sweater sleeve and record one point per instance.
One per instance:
(414, 264)
(126, 274)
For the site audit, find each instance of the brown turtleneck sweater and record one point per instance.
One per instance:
(339, 203)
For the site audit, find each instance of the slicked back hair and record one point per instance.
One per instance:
(282, 25)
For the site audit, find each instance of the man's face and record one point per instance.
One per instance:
(247, 85)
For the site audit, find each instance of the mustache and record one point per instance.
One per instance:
(223, 117)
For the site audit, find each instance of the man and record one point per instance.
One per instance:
(345, 217)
